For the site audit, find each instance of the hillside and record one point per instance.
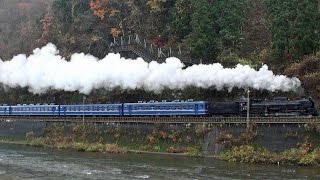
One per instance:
(283, 34)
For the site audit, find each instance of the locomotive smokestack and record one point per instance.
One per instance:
(45, 69)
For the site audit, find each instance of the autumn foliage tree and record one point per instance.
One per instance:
(99, 8)
(46, 23)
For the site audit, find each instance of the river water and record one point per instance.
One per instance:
(25, 162)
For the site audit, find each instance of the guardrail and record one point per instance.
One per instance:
(149, 52)
(213, 120)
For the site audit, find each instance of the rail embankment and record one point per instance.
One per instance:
(287, 143)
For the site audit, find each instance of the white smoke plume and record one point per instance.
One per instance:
(45, 69)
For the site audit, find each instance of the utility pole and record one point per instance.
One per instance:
(83, 98)
(248, 109)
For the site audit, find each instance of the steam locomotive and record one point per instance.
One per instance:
(280, 106)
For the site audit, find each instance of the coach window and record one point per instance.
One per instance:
(190, 106)
(184, 107)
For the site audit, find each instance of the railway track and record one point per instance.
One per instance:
(213, 120)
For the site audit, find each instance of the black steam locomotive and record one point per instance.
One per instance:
(280, 106)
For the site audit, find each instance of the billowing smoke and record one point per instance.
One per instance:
(45, 69)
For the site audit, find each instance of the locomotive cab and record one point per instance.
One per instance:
(309, 106)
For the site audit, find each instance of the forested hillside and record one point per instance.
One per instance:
(283, 34)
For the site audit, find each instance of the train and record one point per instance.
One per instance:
(280, 106)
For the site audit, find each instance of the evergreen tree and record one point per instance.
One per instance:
(202, 38)
(180, 16)
(229, 17)
(295, 27)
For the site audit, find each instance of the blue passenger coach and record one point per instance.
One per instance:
(5, 110)
(166, 108)
(34, 110)
(92, 109)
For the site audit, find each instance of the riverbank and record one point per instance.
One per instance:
(275, 144)
(294, 156)
(303, 156)
(93, 147)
